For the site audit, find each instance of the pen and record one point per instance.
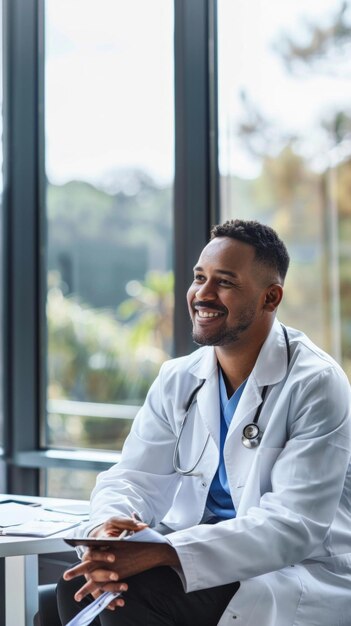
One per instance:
(123, 534)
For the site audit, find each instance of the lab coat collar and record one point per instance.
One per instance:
(206, 365)
(272, 361)
(269, 369)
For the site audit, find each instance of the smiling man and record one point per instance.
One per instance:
(241, 453)
(235, 294)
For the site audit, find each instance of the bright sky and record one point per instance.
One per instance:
(109, 83)
(247, 61)
(109, 88)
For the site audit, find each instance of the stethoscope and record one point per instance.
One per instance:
(251, 435)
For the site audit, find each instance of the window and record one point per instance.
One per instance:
(285, 148)
(109, 134)
(99, 169)
(64, 483)
(1, 272)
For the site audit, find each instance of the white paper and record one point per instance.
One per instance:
(71, 509)
(37, 528)
(12, 513)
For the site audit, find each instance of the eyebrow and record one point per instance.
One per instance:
(225, 272)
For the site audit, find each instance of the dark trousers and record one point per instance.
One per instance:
(154, 598)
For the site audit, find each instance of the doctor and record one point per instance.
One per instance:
(242, 450)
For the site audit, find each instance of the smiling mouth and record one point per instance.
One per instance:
(208, 314)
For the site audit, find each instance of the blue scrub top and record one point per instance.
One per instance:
(219, 501)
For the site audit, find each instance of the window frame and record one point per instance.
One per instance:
(23, 256)
(196, 208)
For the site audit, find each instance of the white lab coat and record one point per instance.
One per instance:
(290, 544)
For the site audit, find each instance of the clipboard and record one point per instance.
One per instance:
(146, 535)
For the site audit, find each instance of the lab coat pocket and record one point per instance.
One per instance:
(258, 480)
(326, 592)
(262, 463)
(268, 600)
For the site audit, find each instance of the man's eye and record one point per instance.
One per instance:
(226, 283)
(199, 278)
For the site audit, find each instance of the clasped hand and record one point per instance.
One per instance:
(106, 568)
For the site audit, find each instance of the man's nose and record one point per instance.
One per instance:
(206, 291)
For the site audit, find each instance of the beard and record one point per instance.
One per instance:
(226, 335)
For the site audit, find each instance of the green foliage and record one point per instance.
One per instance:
(149, 311)
(138, 209)
(93, 357)
(100, 243)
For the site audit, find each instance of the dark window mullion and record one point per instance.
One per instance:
(22, 245)
(196, 176)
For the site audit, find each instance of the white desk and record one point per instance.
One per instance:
(20, 555)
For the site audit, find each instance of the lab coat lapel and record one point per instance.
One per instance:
(208, 396)
(270, 368)
(209, 408)
(247, 407)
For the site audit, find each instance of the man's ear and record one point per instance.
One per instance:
(273, 298)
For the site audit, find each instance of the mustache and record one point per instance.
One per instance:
(208, 305)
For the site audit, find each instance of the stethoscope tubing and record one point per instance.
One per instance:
(190, 471)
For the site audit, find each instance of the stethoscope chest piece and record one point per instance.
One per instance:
(251, 436)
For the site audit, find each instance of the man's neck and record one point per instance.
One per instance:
(237, 363)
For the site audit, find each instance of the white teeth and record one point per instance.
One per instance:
(207, 314)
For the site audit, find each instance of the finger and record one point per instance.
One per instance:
(116, 603)
(113, 587)
(78, 570)
(102, 575)
(105, 556)
(123, 522)
(91, 587)
(85, 590)
(97, 593)
(115, 525)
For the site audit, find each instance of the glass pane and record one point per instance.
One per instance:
(68, 483)
(285, 149)
(1, 239)
(109, 164)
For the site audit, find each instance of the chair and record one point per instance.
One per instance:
(48, 613)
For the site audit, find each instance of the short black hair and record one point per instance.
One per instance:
(269, 249)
